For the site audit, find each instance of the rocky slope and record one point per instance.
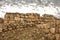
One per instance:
(29, 26)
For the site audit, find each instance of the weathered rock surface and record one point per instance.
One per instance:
(29, 26)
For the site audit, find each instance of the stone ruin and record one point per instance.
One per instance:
(29, 26)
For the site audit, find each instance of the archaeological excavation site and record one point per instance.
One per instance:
(29, 26)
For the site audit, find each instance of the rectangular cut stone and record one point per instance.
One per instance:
(5, 21)
(52, 30)
(12, 21)
(0, 27)
(57, 36)
(1, 20)
(17, 18)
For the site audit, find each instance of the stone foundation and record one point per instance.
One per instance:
(29, 26)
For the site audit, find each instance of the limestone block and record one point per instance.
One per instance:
(1, 20)
(52, 30)
(46, 30)
(12, 21)
(57, 29)
(5, 21)
(17, 18)
(57, 36)
(0, 27)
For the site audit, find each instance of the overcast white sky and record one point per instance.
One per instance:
(33, 6)
(56, 2)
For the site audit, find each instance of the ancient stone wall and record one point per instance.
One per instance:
(29, 26)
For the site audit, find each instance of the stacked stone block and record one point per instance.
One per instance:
(30, 26)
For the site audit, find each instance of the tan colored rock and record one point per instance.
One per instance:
(11, 16)
(30, 25)
(59, 30)
(17, 18)
(11, 21)
(0, 27)
(57, 36)
(6, 21)
(46, 25)
(52, 30)
(1, 20)
(46, 30)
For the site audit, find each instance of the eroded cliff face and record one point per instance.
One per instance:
(29, 26)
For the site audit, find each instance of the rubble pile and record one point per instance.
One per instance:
(29, 26)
